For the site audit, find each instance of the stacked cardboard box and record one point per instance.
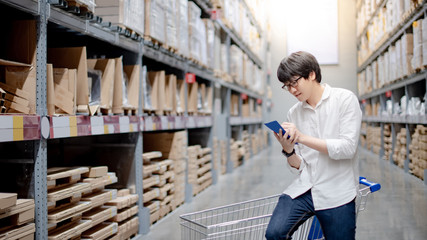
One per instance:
(125, 223)
(388, 142)
(16, 217)
(125, 13)
(199, 168)
(223, 148)
(155, 19)
(18, 79)
(75, 201)
(173, 146)
(417, 27)
(246, 144)
(234, 105)
(158, 184)
(418, 149)
(216, 153)
(234, 153)
(373, 135)
(399, 155)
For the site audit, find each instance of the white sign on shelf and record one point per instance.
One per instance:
(97, 125)
(164, 122)
(124, 124)
(148, 124)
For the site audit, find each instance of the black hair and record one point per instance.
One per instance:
(298, 64)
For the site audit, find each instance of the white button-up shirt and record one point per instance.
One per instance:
(334, 177)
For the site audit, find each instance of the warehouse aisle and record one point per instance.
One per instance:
(398, 211)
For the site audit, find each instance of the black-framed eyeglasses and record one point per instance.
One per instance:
(293, 84)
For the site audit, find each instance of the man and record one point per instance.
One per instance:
(326, 124)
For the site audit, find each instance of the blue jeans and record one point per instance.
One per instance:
(337, 223)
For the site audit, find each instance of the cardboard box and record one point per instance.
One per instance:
(118, 87)
(21, 47)
(133, 75)
(180, 98)
(100, 214)
(192, 97)
(155, 20)
(73, 58)
(7, 200)
(182, 27)
(59, 98)
(107, 66)
(157, 93)
(170, 95)
(171, 23)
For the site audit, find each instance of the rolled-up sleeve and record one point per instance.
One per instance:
(345, 146)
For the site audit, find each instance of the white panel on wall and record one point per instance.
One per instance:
(312, 26)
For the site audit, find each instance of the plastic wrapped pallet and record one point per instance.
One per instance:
(127, 13)
(407, 53)
(182, 26)
(236, 63)
(171, 23)
(155, 22)
(210, 43)
(417, 60)
(224, 59)
(194, 24)
(424, 41)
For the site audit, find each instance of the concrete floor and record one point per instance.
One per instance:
(398, 211)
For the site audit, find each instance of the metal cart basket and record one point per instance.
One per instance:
(248, 220)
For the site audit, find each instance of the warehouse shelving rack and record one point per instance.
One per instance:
(412, 85)
(31, 133)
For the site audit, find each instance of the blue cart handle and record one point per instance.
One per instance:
(372, 186)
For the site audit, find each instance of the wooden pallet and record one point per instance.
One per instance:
(70, 230)
(100, 214)
(64, 176)
(20, 213)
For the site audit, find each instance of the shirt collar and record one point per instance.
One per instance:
(325, 95)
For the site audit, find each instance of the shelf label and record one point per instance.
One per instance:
(259, 101)
(149, 124)
(178, 122)
(388, 94)
(191, 123)
(190, 78)
(124, 124)
(244, 96)
(97, 125)
(164, 122)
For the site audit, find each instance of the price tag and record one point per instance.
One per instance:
(190, 78)
(191, 123)
(178, 122)
(244, 96)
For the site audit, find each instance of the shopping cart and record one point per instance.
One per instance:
(248, 220)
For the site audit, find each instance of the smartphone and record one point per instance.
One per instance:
(275, 126)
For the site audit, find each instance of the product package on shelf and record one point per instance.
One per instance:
(182, 27)
(234, 105)
(73, 58)
(236, 64)
(132, 77)
(61, 90)
(180, 96)
(194, 31)
(16, 217)
(399, 155)
(76, 202)
(107, 83)
(170, 94)
(388, 142)
(418, 149)
(155, 27)
(210, 43)
(206, 93)
(199, 168)
(158, 184)
(192, 91)
(173, 147)
(128, 14)
(171, 24)
(155, 85)
(246, 138)
(18, 82)
(417, 61)
(125, 222)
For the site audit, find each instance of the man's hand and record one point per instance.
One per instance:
(291, 132)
